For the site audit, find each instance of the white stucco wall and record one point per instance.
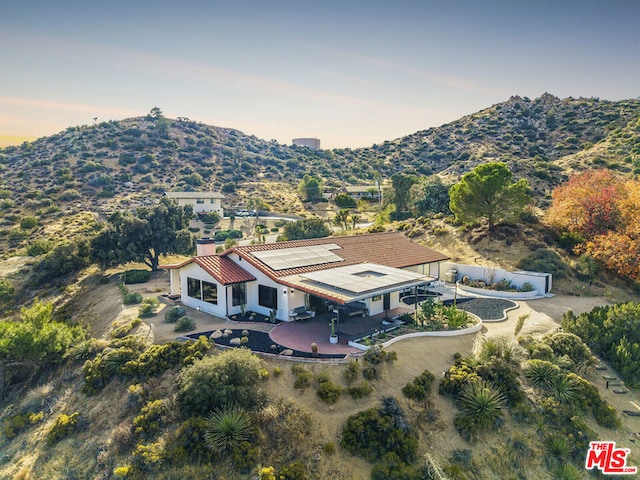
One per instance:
(491, 274)
(194, 271)
(209, 205)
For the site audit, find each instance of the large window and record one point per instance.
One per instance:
(268, 297)
(239, 294)
(209, 292)
(199, 200)
(193, 288)
(202, 290)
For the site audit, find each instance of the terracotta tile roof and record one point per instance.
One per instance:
(223, 269)
(391, 249)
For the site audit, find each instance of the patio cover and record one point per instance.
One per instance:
(355, 282)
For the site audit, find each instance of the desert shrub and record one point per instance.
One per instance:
(60, 261)
(109, 363)
(420, 388)
(148, 307)
(160, 358)
(372, 433)
(231, 377)
(303, 377)
(120, 331)
(455, 379)
(329, 448)
(351, 372)
(39, 247)
(136, 276)
(293, 471)
(363, 389)
(188, 443)
(544, 260)
(131, 298)
(151, 418)
(7, 291)
(277, 372)
(28, 223)
(146, 458)
(185, 324)
(329, 392)
(390, 467)
(570, 346)
(245, 457)
(14, 424)
(63, 426)
(173, 314)
(370, 373)
(505, 376)
(376, 355)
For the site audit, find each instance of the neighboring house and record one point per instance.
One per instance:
(366, 271)
(200, 201)
(364, 191)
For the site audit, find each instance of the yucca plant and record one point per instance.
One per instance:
(557, 449)
(227, 428)
(482, 403)
(564, 389)
(567, 471)
(541, 373)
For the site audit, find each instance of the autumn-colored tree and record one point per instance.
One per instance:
(604, 210)
(619, 250)
(586, 205)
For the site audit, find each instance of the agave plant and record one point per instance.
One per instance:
(541, 373)
(227, 428)
(483, 403)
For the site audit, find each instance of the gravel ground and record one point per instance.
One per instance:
(259, 342)
(485, 308)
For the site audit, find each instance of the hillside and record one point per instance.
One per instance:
(119, 164)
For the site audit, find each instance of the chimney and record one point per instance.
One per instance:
(205, 246)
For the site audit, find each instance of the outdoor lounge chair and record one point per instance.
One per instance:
(353, 309)
(300, 313)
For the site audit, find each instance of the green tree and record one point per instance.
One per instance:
(344, 200)
(342, 219)
(430, 195)
(400, 191)
(306, 228)
(144, 235)
(489, 192)
(310, 187)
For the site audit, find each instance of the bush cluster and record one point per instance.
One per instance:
(136, 276)
(13, 425)
(303, 377)
(148, 307)
(151, 418)
(372, 433)
(63, 426)
(173, 314)
(328, 391)
(185, 324)
(420, 388)
(363, 389)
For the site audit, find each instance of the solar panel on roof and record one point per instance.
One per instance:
(298, 257)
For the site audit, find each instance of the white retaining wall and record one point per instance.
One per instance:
(542, 282)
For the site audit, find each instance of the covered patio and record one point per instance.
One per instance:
(300, 335)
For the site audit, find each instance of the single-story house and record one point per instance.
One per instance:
(365, 271)
(364, 191)
(200, 201)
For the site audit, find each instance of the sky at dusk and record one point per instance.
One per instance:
(350, 72)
